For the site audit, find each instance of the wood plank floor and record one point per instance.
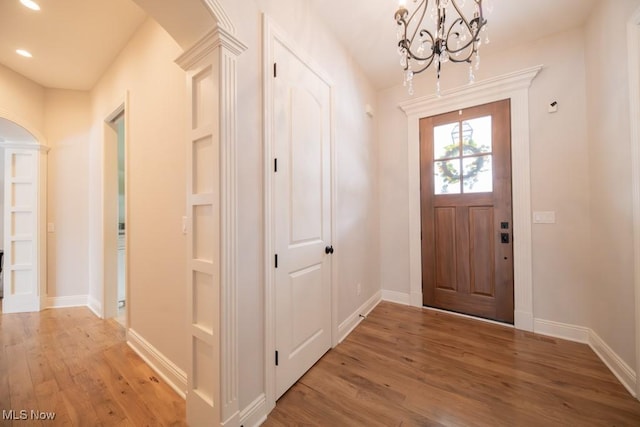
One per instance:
(411, 367)
(69, 362)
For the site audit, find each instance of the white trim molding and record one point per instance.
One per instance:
(513, 86)
(212, 116)
(353, 320)
(165, 368)
(562, 330)
(584, 335)
(616, 365)
(255, 414)
(633, 46)
(220, 15)
(398, 297)
(67, 301)
(94, 305)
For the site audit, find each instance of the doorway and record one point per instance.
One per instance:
(23, 240)
(300, 304)
(115, 223)
(302, 200)
(465, 173)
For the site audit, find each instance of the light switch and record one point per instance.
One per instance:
(544, 217)
(51, 227)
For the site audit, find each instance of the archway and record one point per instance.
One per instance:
(24, 208)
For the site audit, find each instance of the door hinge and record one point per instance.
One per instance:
(275, 69)
(275, 164)
(276, 261)
(276, 357)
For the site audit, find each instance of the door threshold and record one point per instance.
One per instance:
(467, 316)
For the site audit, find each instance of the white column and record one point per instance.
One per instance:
(212, 390)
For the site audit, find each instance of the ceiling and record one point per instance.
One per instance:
(368, 30)
(72, 41)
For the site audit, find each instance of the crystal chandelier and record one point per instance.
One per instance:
(452, 37)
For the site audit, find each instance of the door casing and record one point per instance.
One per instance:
(460, 297)
(109, 294)
(271, 33)
(513, 86)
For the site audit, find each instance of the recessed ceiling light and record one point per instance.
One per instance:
(30, 4)
(24, 53)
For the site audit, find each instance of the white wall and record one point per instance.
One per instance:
(67, 126)
(559, 172)
(356, 223)
(156, 185)
(23, 99)
(612, 294)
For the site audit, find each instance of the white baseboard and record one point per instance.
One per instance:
(95, 306)
(523, 320)
(233, 420)
(561, 330)
(21, 304)
(620, 369)
(164, 367)
(581, 334)
(254, 414)
(68, 301)
(350, 323)
(397, 297)
(416, 299)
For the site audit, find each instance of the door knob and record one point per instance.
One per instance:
(328, 250)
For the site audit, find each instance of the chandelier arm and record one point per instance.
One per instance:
(461, 15)
(414, 56)
(467, 59)
(424, 12)
(480, 18)
(424, 67)
(462, 48)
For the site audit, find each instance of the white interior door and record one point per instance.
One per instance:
(21, 281)
(302, 216)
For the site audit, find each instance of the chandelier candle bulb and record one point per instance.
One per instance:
(448, 35)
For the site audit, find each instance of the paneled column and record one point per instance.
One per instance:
(212, 392)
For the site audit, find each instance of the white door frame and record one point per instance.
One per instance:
(109, 239)
(513, 86)
(271, 33)
(633, 46)
(39, 222)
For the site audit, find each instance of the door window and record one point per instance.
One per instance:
(462, 153)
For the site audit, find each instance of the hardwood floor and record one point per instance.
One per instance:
(411, 367)
(70, 362)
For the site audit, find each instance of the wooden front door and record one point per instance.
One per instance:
(467, 251)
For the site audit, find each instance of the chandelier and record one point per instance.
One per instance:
(452, 37)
